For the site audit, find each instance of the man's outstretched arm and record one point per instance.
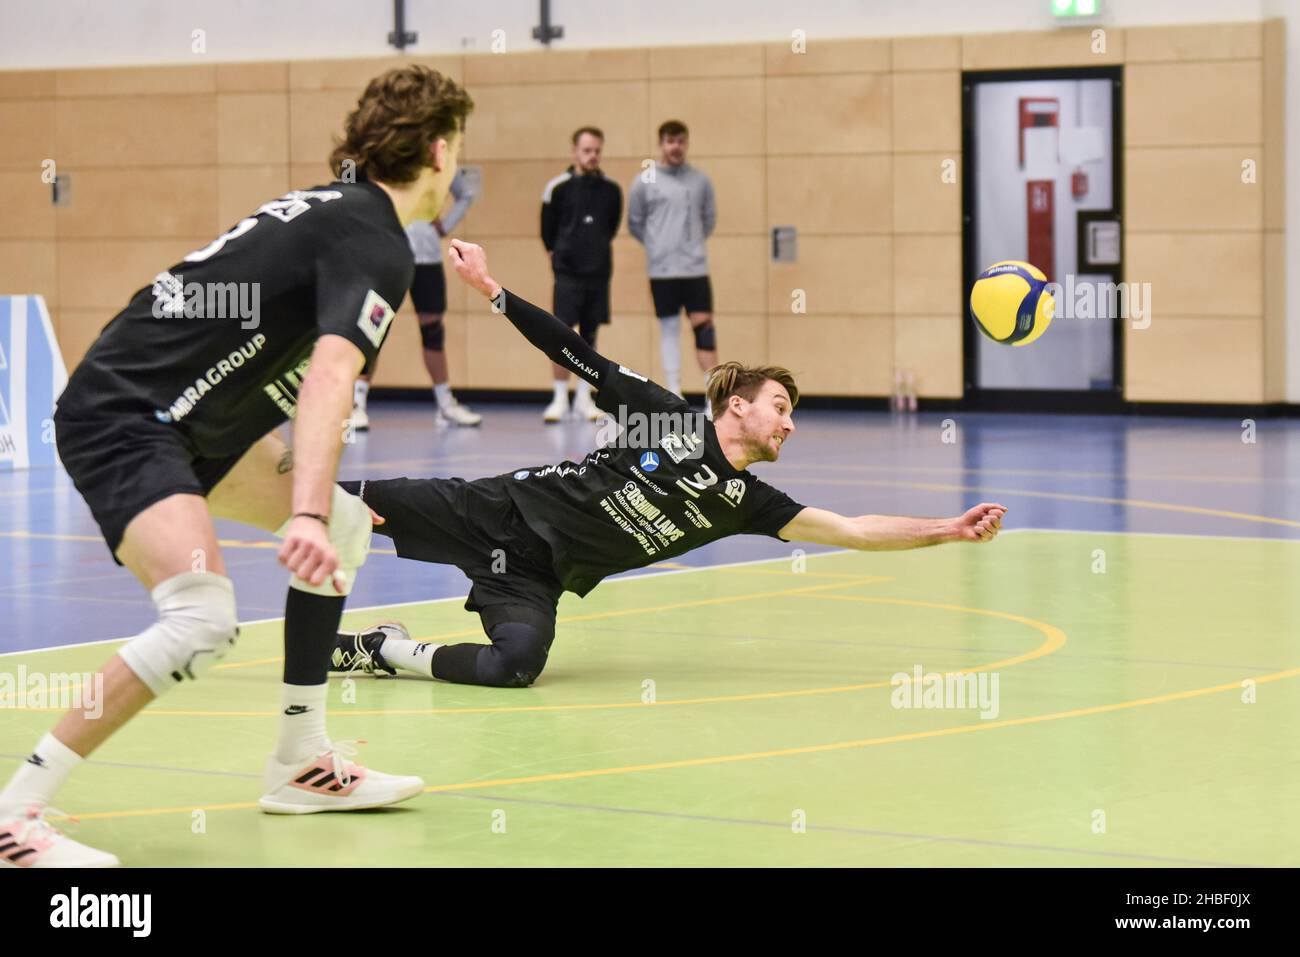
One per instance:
(892, 533)
(561, 344)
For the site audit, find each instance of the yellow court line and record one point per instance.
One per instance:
(620, 613)
(862, 743)
(1065, 496)
(1054, 640)
(759, 755)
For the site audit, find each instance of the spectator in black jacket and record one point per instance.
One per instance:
(581, 210)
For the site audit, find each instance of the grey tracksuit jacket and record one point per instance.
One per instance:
(672, 217)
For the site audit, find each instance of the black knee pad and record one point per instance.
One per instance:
(706, 337)
(433, 335)
(516, 656)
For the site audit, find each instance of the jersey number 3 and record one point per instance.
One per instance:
(285, 209)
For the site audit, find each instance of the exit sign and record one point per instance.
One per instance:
(1075, 8)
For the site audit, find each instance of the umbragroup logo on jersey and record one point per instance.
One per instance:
(31, 377)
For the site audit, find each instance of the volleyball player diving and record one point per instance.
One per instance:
(673, 481)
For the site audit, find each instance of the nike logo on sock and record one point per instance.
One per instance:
(37, 760)
(296, 709)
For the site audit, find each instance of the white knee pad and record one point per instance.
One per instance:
(196, 626)
(350, 531)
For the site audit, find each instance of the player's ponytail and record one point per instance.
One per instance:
(736, 378)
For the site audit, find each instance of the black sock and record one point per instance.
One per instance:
(311, 624)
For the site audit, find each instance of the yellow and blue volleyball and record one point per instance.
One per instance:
(1010, 303)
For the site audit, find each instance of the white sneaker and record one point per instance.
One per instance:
(556, 411)
(28, 840)
(330, 782)
(360, 421)
(457, 414)
(585, 409)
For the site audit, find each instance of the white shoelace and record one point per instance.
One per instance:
(361, 658)
(339, 752)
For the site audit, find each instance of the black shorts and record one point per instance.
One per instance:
(671, 296)
(429, 288)
(476, 527)
(583, 303)
(122, 464)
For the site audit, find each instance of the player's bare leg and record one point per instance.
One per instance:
(559, 407)
(171, 547)
(432, 338)
(307, 772)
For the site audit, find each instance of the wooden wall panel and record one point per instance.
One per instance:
(826, 56)
(28, 209)
(845, 140)
(725, 114)
(26, 134)
(829, 195)
(861, 364)
(927, 111)
(252, 128)
(1199, 274)
(1209, 41)
(535, 121)
(926, 193)
(1197, 359)
(118, 131)
(1082, 46)
(1193, 188)
(930, 347)
(839, 275)
(809, 115)
(1193, 104)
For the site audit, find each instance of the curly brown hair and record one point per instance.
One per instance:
(735, 378)
(401, 112)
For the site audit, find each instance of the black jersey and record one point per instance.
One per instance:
(663, 488)
(218, 345)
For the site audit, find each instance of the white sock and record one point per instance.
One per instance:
(442, 395)
(560, 391)
(413, 656)
(360, 390)
(36, 783)
(670, 350)
(302, 733)
(582, 392)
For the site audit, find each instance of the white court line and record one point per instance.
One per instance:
(680, 571)
(433, 601)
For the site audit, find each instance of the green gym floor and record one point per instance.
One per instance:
(1148, 713)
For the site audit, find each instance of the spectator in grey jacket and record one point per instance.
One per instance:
(671, 212)
(429, 296)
